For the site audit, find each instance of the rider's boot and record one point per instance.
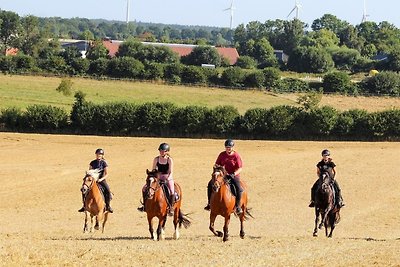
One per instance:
(143, 207)
(209, 189)
(171, 204)
(83, 207)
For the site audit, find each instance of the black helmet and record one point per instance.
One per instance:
(325, 152)
(164, 147)
(229, 143)
(99, 151)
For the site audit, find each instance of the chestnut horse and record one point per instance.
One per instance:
(93, 201)
(325, 205)
(157, 206)
(222, 202)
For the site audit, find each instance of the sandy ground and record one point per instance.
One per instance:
(41, 175)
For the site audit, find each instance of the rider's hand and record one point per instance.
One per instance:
(232, 175)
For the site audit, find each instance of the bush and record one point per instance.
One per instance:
(280, 120)
(344, 124)
(309, 100)
(24, 62)
(65, 86)
(310, 59)
(54, 64)
(7, 64)
(386, 82)
(321, 121)
(12, 118)
(125, 67)
(255, 79)
(292, 85)
(171, 71)
(345, 58)
(154, 118)
(80, 65)
(338, 82)
(193, 74)
(42, 117)
(190, 120)
(246, 62)
(253, 121)
(233, 76)
(154, 71)
(222, 119)
(98, 67)
(272, 76)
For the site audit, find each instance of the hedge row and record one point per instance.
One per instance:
(166, 119)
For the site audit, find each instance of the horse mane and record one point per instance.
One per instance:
(95, 173)
(220, 168)
(152, 173)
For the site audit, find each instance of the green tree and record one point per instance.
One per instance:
(96, 51)
(10, 30)
(329, 22)
(202, 55)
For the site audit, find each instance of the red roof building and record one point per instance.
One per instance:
(229, 53)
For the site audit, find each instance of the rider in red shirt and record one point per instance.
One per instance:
(232, 163)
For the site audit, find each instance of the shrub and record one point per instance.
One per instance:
(193, 74)
(65, 86)
(253, 121)
(321, 121)
(233, 76)
(7, 64)
(12, 118)
(344, 124)
(125, 67)
(292, 85)
(246, 62)
(190, 120)
(309, 100)
(42, 117)
(386, 82)
(272, 76)
(171, 71)
(337, 82)
(154, 118)
(98, 67)
(80, 65)
(153, 71)
(222, 119)
(345, 58)
(280, 119)
(255, 79)
(24, 62)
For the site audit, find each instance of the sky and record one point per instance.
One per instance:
(207, 12)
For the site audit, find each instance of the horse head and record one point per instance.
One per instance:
(218, 175)
(326, 181)
(152, 182)
(89, 179)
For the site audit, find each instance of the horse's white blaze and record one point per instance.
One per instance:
(176, 234)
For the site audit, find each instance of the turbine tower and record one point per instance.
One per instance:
(296, 8)
(231, 8)
(127, 11)
(365, 15)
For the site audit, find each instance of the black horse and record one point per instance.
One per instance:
(325, 205)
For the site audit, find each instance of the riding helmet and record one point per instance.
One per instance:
(164, 147)
(229, 143)
(99, 151)
(325, 152)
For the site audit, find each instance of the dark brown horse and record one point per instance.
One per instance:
(157, 206)
(222, 202)
(325, 205)
(94, 201)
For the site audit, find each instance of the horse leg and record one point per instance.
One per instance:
(151, 230)
(324, 217)
(242, 233)
(176, 218)
(226, 230)
(91, 224)
(96, 226)
(315, 233)
(85, 224)
(211, 227)
(104, 222)
(332, 219)
(160, 229)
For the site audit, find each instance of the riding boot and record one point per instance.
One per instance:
(236, 183)
(209, 190)
(83, 201)
(171, 204)
(143, 207)
(313, 189)
(338, 195)
(107, 200)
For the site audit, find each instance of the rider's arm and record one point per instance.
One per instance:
(154, 163)
(105, 174)
(334, 172)
(171, 166)
(238, 171)
(318, 172)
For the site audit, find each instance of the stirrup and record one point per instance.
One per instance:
(207, 207)
(109, 209)
(238, 210)
(312, 204)
(141, 208)
(81, 209)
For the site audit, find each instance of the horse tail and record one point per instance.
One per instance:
(184, 219)
(337, 217)
(247, 214)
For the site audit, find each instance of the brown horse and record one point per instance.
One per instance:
(222, 202)
(325, 205)
(157, 206)
(94, 201)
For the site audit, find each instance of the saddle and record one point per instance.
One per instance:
(231, 186)
(167, 192)
(103, 191)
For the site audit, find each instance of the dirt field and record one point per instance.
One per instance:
(41, 175)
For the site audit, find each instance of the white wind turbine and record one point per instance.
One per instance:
(231, 8)
(296, 8)
(365, 15)
(127, 11)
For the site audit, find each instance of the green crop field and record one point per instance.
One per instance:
(22, 91)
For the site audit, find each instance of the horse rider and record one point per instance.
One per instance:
(232, 162)
(164, 164)
(101, 163)
(326, 165)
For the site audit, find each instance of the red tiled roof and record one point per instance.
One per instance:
(181, 49)
(11, 51)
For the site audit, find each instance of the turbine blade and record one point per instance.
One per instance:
(291, 11)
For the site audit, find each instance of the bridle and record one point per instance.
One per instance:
(217, 183)
(152, 190)
(86, 188)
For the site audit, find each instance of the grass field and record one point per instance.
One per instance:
(21, 91)
(39, 196)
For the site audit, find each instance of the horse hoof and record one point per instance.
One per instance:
(315, 234)
(242, 234)
(220, 234)
(96, 227)
(225, 238)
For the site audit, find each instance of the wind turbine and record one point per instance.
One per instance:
(127, 11)
(296, 8)
(231, 8)
(365, 15)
